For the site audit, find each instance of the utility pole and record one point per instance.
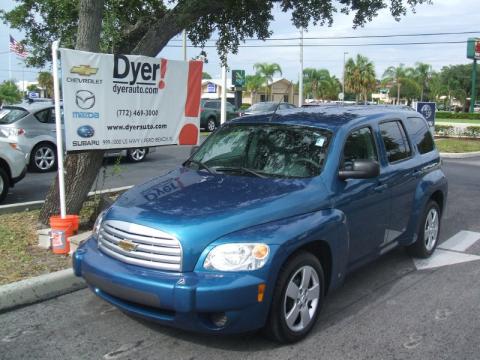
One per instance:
(223, 102)
(300, 82)
(184, 44)
(473, 92)
(343, 78)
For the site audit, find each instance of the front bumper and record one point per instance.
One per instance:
(20, 177)
(183, 300)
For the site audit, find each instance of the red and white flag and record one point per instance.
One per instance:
(17, 48)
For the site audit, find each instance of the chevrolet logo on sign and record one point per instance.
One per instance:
(127, 245)
(84, 70)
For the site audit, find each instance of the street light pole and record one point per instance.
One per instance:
(184, 44)
(343, 78)
(300, 82)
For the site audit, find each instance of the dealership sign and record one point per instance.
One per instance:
(126, 101)
(427, 109)
(473, 48)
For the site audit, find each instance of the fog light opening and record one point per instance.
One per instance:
(219, 319)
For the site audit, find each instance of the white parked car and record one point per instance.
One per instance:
(13, 166)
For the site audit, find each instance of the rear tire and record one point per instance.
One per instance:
(428, 232)
(211, 125)
(137, 155)
(43, 158)
(297, 299)
(4, 184)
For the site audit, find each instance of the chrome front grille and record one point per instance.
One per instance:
(140, 245)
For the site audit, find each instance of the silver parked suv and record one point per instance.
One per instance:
(12, 165)
(32, 126)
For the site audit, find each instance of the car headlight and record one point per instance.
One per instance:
(98, 224)
(237, 257)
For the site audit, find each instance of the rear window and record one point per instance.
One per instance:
(10, 115)
(395, 141)
(262, 107)
(420, 135)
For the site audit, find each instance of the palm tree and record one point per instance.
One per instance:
(267, 72)
(45, 81)
(319, 83)
(397, 76)
(423, 74)
(360, 76)
(254, 83)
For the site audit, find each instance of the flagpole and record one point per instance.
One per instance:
(10, 65)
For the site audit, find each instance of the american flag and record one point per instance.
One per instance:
(17, 48)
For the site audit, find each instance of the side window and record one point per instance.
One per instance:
(43, 116)
(209, 105)
(360, 145)
(420, 134)
(395, 141)
(230, 107)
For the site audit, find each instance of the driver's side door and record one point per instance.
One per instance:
(365, 202)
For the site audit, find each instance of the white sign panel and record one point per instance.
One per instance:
(124, 101)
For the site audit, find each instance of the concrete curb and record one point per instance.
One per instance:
(32, 205)
(460, 155)
(40, 288)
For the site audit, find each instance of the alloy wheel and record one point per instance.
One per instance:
(44, 158)
(301, 298)
(431, 229)
(211, 125)
(138, 154)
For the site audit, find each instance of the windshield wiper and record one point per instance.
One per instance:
(201, 165)
(241, 169)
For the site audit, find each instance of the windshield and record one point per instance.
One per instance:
(262, 107)
(10, 115)
(264, 150)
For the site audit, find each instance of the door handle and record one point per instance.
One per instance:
(380, 188)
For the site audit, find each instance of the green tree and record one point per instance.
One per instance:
(9, 93)
(32, 87)
(206, 75)
(456, 81)
(360, 77)
(254, 83)
(146, 26)
(45, 81)
(267, 72)
(400, 76)
(318, 83)
(422, 73)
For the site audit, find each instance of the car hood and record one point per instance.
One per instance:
(198, 208)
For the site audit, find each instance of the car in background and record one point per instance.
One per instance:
(12, 165)
(266, 107)
(210, 113)
(32, 126)
(476, 108)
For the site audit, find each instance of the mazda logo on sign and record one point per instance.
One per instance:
(84, 99)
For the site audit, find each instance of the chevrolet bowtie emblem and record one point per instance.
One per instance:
(127, 245)
(84, 70)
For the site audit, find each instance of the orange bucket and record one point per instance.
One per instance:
(69, 226)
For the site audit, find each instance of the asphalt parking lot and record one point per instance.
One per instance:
(394, 308)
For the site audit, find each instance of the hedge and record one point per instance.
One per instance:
(450, 130)
(455, 115)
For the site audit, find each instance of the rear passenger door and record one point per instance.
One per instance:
(399, 177)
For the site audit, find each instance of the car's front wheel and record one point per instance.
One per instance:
(4, 184)
(137, 155)
(428, 232)
(297, 299)
(43, 158)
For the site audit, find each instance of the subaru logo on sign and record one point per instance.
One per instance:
(84, 99)
(85, 131)
(427, 109)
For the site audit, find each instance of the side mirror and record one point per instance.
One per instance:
(362, 169)
(194, 149)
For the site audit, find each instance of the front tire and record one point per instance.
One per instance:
(428, 232)
(4, 184)
(297, 299)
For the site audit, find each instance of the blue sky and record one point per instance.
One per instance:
(442, 16)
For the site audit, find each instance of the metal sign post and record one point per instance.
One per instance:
(58, 129)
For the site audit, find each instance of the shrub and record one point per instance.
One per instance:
(459, 115)
(472, 131)
(444, 130)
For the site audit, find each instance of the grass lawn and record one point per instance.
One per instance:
(20, 258)
(458, 121)
(204, 133)
(457, 145)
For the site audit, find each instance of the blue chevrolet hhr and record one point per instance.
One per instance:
(266, 217)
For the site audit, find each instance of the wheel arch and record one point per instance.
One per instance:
(4, 165)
